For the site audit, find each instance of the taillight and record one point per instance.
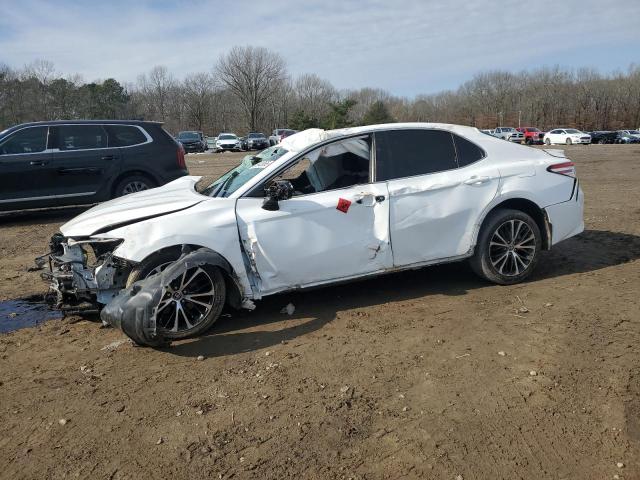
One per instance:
(180, 154)
(567, 168)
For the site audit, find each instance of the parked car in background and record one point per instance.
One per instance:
(192, 141)
(257, 141)
(243, 143)
(279, 134)
(602, 136)
(508, 133)
(626, 136)
(567, 136)
(311, 214)
(532, 136)
(633, 133)
(211, 143)
(487, 132)
(58, 163)
(228, 141)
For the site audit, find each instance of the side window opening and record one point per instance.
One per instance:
(411, 152)
(466, 151)
(333, 166)
(81, 137)
(125, 135)
(28, 140)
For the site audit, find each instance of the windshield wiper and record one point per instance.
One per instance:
(224, 184)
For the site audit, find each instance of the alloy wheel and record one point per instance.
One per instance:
(512, 248)
(133, 187)
(186, 301)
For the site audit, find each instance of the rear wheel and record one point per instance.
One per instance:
(133, 184)
(547, 141)
(508, 247)
(191, 303)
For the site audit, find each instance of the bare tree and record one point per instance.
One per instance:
(198, 93)
(253, 75)
(313, 95)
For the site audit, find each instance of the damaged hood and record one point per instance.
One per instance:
(173, 196)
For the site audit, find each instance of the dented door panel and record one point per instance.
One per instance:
(316, 238)
(433, 216)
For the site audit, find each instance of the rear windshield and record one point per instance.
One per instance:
(188, 135)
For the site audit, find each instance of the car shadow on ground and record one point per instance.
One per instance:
(590, 251)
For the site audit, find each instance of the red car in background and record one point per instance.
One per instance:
(532, 136)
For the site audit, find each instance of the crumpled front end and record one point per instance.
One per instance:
(83, 274)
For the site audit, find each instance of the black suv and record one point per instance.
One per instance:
(50, 164)
(192, 141)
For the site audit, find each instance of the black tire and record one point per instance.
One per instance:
(568, 141)
(547, 142)
(529, 141)
(483, 263)
(132, 184)
(161, 259)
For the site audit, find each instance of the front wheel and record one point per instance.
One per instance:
(508, 247)
(190, 303)
(568, 142)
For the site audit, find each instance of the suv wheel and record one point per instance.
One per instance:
(133, 184)
(508, 247)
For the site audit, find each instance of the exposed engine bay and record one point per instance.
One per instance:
(83, 274)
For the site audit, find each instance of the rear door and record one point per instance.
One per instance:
(84, 162)
(26, 177)
(438, 187)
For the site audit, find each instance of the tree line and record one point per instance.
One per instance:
(249, 89)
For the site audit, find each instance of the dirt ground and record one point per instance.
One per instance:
(425, 374)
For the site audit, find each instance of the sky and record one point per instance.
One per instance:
(407, 47)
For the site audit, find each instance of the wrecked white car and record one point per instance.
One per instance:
(318, 208)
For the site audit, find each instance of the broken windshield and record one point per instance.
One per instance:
(250, 166)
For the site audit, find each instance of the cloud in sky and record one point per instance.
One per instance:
(407, 46)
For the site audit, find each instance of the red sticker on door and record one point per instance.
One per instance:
(343, 205)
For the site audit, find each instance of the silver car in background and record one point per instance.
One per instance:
(508, 133)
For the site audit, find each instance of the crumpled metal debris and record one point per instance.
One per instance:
(134, 309)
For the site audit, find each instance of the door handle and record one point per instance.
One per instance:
(107, 157)
(476, 180)
(38, 163)
(370, 198)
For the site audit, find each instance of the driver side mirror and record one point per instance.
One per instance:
(276, 191)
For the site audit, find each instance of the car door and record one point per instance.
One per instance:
(434, 205)
(334, 227)
(26, 177)
(85, 162)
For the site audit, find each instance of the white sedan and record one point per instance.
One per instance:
(319, 208)
(566, 136)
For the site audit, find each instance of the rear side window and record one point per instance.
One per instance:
(28, 140)
(467, 152)
(125, 135)
(405, 153)
(81, 137)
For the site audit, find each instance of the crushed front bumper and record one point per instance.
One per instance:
(83, 275)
